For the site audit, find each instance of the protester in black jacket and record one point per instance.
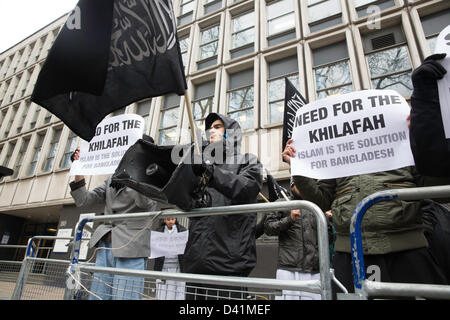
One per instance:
(224, 244)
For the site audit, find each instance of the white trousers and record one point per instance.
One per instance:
(297, 295)
(170, 290)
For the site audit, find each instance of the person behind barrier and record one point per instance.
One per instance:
(170, 289)
(298, 251)
(223, 244)
(395, 248)
(120, 244)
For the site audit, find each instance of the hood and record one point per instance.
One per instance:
(233, 132)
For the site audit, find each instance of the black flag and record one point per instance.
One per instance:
(293, 100)
(275, 190)
(4, 171)
(109, 54)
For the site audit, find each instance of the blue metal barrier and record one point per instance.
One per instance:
(359, 273)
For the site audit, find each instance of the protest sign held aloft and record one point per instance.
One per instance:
(113, 137)
(356, 133)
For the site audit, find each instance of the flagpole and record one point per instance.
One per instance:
(285, 196)
(264, 198)
(191, 121)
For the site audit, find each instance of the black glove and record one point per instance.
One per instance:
(201, 198)
(425, 77)
(72, 157)
(200, 167)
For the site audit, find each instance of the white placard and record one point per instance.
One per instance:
(167, 244)
(355, 133)
(443, 46)
(61, 245)
(5, 238)
(113, 137)
(86, 235)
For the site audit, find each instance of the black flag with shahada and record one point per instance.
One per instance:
(293, 100)
(109, 54)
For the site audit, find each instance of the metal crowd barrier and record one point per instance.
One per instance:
(149, 284)
(40, 278)
(365, 288)
(9, 272)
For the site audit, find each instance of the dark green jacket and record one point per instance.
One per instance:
(387, 226)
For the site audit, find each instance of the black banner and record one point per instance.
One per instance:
(109, 54)
(293, 100)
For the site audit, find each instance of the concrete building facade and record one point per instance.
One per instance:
(236, 55)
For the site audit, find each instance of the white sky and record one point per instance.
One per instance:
(21, 18)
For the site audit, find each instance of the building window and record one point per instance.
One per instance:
(35, 117)
(362, 6)
(118, 112)
(16, 84)
(30, 51)
(12, 117)
(36, 151)
(278, 71)
(243, 34)
(203, 103)
(433, 25)
(23, 116)
(169, 120)
(27, 81)
(3, 90)
(143, 109)
(20, 156)
(280, 21)
(186, 11)
(184, 46)
(3, 116)
(209, 47)
(332, 70)
(323, 14)
(212, 5)
(241, 98)
(52, 151)
(71, 145)
(388, 60)
(48, 117)
(9, 153)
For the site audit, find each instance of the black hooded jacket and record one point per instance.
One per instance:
(225, 244)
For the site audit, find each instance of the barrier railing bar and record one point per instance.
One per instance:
(29, 254)
(13, 246)
(325, 276)
(267, 283)
(434, 291)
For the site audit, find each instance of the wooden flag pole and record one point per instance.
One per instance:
(264, 198)
(191, 121)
